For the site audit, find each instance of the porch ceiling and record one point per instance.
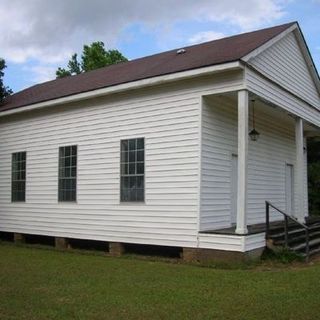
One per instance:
(310, 130)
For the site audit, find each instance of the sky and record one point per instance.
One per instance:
(38, 36)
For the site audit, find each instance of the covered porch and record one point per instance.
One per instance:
(263, 158)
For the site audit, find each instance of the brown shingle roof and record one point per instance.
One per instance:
(196, 56)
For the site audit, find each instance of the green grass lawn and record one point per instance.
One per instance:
(48, 284)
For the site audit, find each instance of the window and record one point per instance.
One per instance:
(18, 177)
(68, 173)
(132, 170)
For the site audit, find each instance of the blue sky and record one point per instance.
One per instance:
(38, 37)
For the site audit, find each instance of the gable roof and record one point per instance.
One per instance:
(196, 56)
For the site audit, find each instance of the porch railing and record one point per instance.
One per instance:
(287, 218)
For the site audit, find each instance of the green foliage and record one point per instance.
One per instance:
(313, 150)
(74, 65)
(314, 176)
(4, 90)
(94, 56)
(314, 187)
(284, 256)
(61, 73)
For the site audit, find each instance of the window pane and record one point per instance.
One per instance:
(124, 145)
(132, 156)
(132, 195)
(140, 182)
(73, 184)
(124, 168)
(132, 182)
(132, 168)
(140, 168)
(140, 194)
(124, 156)
(132, 144)
(125, 182)
(67, 151)
(67, 172)
(74, 150)
(140, 155)
(14, 166)
(15, 175)
(124, 195)
(67, 162)
(140, 143)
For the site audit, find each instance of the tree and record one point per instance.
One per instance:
(4, 91)
(93, 57)
(314, 175)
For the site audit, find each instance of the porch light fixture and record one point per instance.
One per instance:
(253, 134)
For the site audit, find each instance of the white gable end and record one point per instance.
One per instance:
(284, 63)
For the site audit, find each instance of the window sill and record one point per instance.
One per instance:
(132, 203)
(67, 202)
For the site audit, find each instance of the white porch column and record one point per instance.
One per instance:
(299, 172)
(243, 114)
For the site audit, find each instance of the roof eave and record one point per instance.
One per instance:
(182, 75)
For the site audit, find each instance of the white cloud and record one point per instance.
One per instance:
(49, 30)
(206, 36)
(41, 73)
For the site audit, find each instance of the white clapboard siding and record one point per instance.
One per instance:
(277, 96)
(285, 64)
(218, 143)
(168, 117)
(266, 161)
(232, 242)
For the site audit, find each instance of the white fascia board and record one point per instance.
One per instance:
(129, 86)
(306, 54)
(269, 43)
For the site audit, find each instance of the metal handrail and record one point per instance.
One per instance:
(287, 217)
